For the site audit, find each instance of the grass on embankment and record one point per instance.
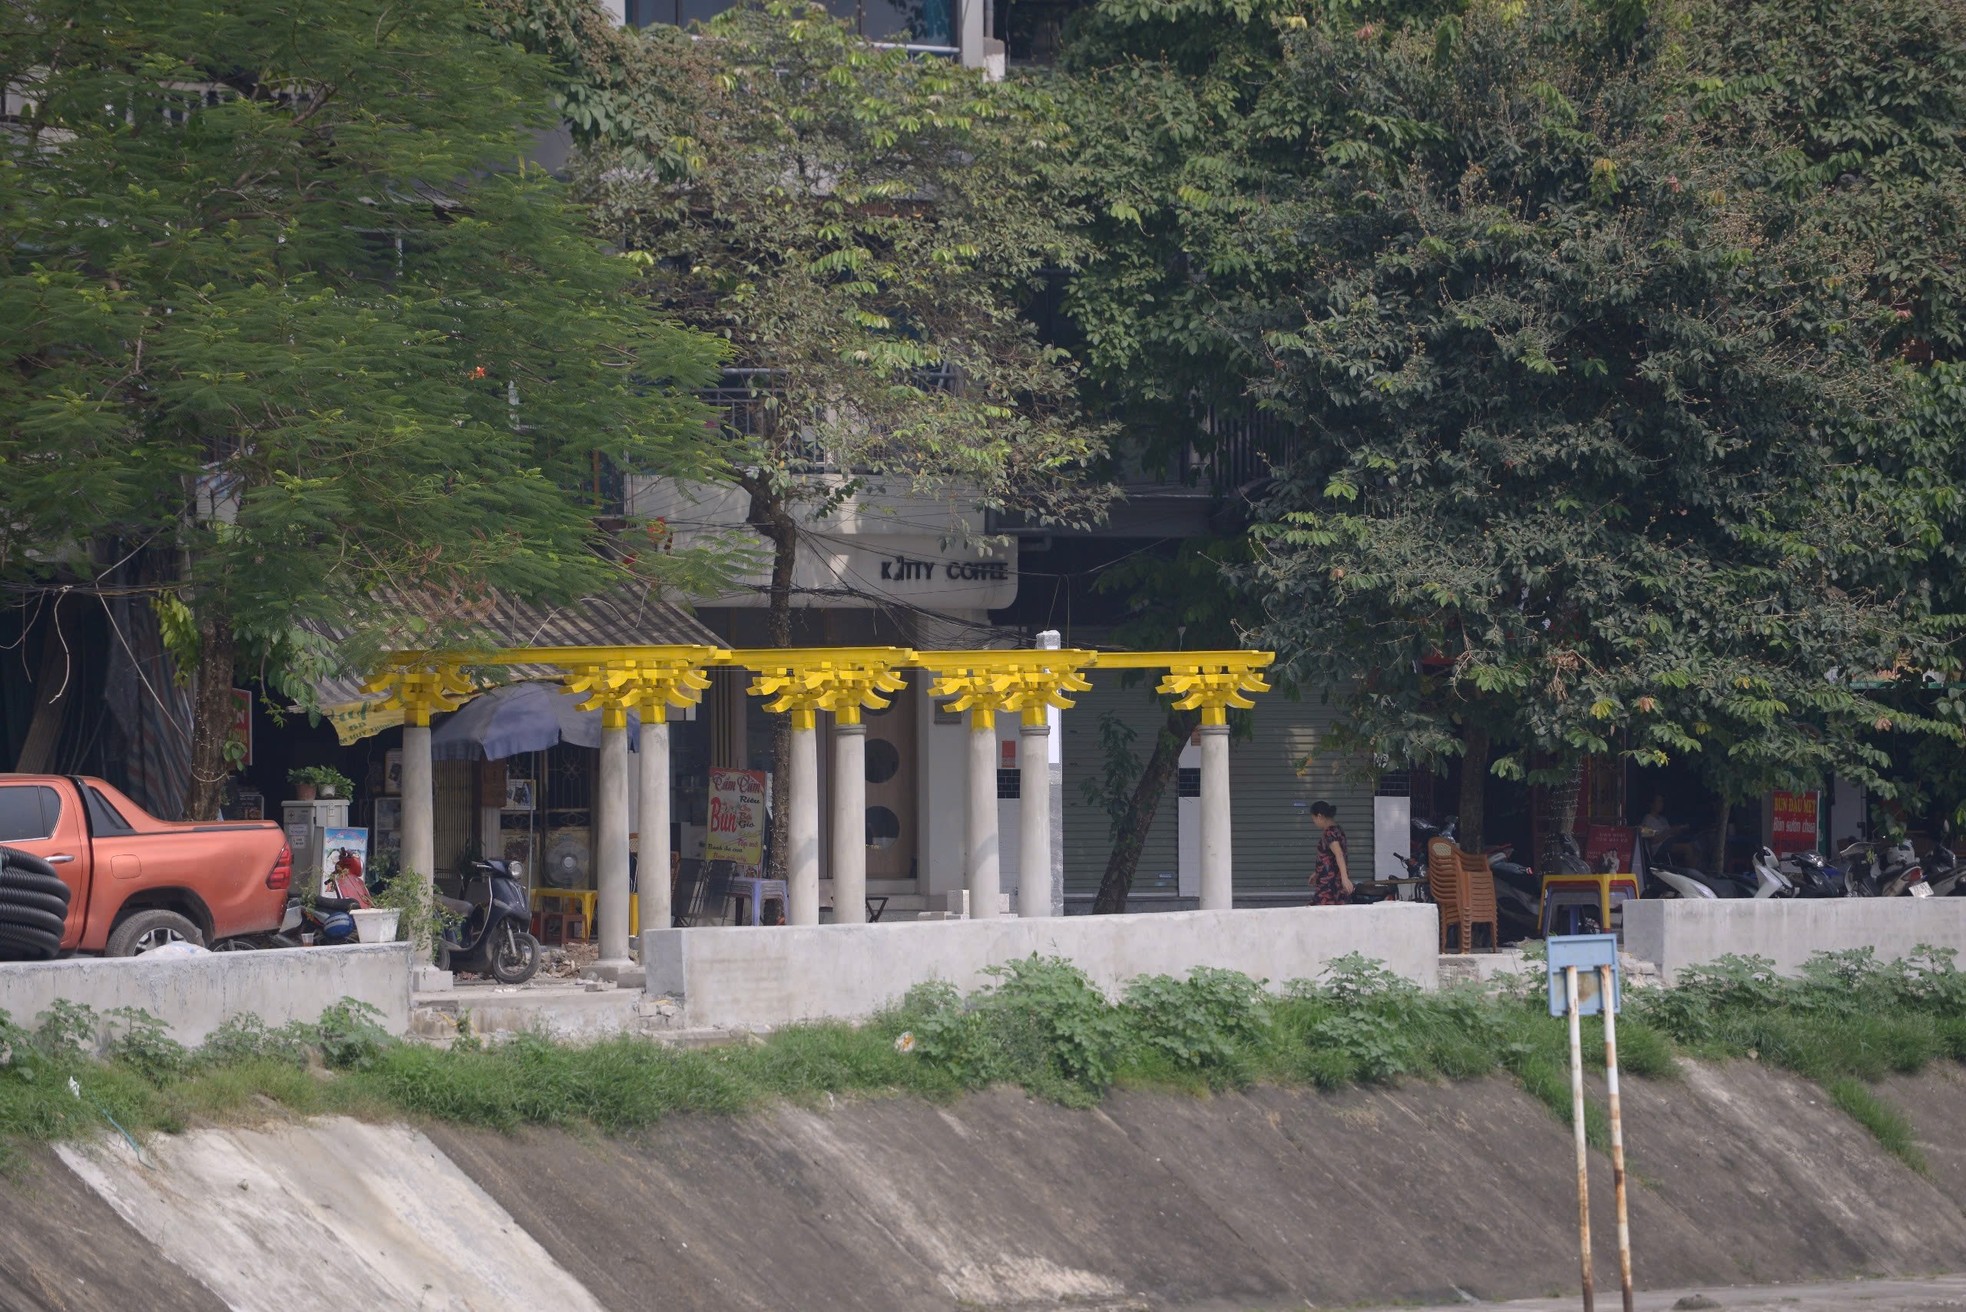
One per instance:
(1042, 1026)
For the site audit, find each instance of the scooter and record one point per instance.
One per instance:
(490, 934)
(1659, 880)
(1880, 871)
(1944, 871)
(1813, 876)
(1769, 881)
(1518, 895)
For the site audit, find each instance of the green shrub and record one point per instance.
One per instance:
(1209, 1023)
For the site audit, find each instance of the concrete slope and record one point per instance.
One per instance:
(63, 1248)
(331, 1215)
(1268, 1198)
(1934, 1101)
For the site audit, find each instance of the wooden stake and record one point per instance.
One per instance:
(1606, 983)
(1577, 1129)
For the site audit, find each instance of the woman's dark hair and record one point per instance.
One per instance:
(1324, 808)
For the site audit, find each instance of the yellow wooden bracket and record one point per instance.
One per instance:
(648, 683)
(843, 680)
(421, 690)
(1214, 681)
(1019, 679)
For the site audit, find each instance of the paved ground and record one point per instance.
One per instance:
(1938, 1294)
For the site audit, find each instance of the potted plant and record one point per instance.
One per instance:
(310, 781)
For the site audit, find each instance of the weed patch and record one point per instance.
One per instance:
(1041, 1025)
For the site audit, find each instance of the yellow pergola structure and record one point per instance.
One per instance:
(845, 682)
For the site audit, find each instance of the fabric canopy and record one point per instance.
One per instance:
(519, 717)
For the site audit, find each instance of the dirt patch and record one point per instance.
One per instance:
(64, 1249)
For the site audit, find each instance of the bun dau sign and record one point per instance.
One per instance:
(737, 819)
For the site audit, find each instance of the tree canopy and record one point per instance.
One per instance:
(284, 310)
(1580, 392)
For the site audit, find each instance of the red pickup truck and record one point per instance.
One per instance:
(136, 882)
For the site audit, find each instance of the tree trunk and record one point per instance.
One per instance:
(770, 517)
(211, 719)
(1717, 854)
(1474, 782)
(1161, 765)
(51, 702)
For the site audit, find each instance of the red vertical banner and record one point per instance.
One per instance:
(1795, 825)
(1009, 753)
(242, 723)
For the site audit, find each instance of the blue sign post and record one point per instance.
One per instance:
(1584, 981)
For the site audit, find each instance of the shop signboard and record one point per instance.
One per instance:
(737, 819)
(1795, 822)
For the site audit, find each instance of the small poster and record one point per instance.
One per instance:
(737, 819)
(1794, 823)
(344, 863)
(1614, 841)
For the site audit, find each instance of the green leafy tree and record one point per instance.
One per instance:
(283, 308)
(1859, 109)
(1577, 398)
(860, 225)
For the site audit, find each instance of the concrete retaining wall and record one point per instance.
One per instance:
(742, 977)
(1788, 931)
(195, 995)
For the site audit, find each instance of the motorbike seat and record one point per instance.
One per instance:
(456, 906)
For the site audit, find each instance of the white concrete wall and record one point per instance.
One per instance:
(742, 977)
(195, 995)
(1788, 931)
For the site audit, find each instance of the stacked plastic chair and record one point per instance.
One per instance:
(1464, 888)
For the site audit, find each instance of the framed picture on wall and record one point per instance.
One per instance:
(392, 770)
(389, 813)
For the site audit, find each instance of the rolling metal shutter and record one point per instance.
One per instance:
(1274, 776)
(1088, 831)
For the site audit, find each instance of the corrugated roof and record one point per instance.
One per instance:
(625, 616)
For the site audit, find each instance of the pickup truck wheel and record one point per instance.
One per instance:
(151, 929)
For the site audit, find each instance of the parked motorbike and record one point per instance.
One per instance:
(489, 934)
(1878, 869)
(1813, 876)
(1769, 879)
(1518, 895)
(1659, 879)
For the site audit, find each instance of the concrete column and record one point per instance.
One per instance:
(419, 804)
(984, 882)
(1051, 640)
(802, 862)
(1217, 885)
(1034, 820)
(611, 847)
(653, 870)
(850, 824)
